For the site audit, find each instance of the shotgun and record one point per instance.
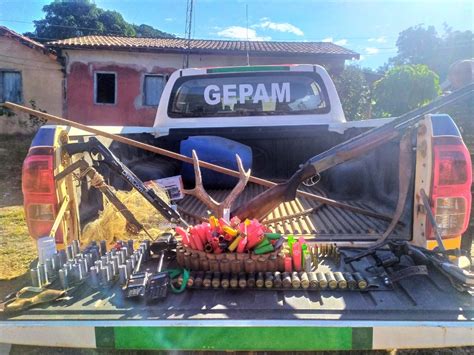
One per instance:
(264, 203)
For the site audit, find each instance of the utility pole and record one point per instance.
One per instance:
(187, 31)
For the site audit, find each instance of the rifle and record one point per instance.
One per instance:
(261, 205)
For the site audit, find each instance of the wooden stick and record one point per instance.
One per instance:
(177, 156)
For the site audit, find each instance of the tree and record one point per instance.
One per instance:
(66, 19)
(404, 88)
(354, 92)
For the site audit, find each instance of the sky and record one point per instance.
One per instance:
(370, 28)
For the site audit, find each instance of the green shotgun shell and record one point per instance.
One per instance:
(286, 280)
(361, 282)
(264, 242)
(323, 283)
(263, 250)
(332, 283)
(277, 279)
(272, 236)
(260, 282)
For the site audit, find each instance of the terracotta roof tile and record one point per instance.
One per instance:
(204, 46)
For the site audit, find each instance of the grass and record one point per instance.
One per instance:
(17, 249)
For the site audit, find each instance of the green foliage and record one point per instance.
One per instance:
(405, 88)
(423, 45)
(66, 19)
(354, 93)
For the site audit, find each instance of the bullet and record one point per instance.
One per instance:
(251, 280)
(260, 282)
(204, 264)
(308, 264)
(216, 280)
(122, 255)
(48, 264)
(94, 277)
(56, 262)
(187, 260)
(63, 279)
(313, 281)
(249, 266)
(286, 280)
(75, 247)
(194, 261)
(69, 252)
(122, 269)
(351, 283)
(242, 280)
(269, 279)
(110, 272)
(62, 257)
(207, 279)
(198, 279)
(225, 266)
(361, 282)
(234, 280)
(235, 266)
(341, 281)
(225, 280)
(129, 266)
(103, 247)
(180, 257)
(281, 261)
(88, 259)
(262, 264)
(295, 280)
(214, 265)
(332, 283)
(35, 281)
(272, 263)
(43, 279)
(191, 279)
(115, 265)
(323, 283)
(277, 279)
(125, 251)
(130, 246)
(304, 279)
(103, 275)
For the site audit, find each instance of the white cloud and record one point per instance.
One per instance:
(380, 39)
(169, 19)
(341, 42)
(328, 39)
(279, 27)
(361, 58)
(237, 32)
(371, 50)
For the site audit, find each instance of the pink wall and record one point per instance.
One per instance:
(128, 109)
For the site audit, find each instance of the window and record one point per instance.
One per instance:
(105, 88)
(153, 88)
(10, 86)
(249, 94)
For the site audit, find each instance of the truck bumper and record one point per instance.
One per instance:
(255, 335)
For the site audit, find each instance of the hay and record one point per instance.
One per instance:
(111, 225)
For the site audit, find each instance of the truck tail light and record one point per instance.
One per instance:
(451, 191)
(39, 192)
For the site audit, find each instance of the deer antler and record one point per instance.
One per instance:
(217, 208)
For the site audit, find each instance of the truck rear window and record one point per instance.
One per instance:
(249, 94)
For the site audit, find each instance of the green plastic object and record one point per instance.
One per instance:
(263, 243)
(272, 236)
(265, 249)
(291, 241)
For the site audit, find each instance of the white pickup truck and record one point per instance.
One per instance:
(283, 115)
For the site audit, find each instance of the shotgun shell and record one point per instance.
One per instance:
(269, 279)
(286, 280)
(249, 266)
(272, 263)
(214, 265)
(199, 279)
(187, 260)
(251, 280)
(235, 243)
(207, 279)
(204, 264)
(180, 257)
(262, 264)
(225, 280)
(234, 280)
(313, 281)
(35, 281)
(264, 250)
(216, 280)
(242, 280)
(351, 283)
(260, 282)
(332, 283)
(323, 283)
(341, 281)
(235, 266)
(308, 264)
(191, 278)
(208, 248)
(224, 266)
(194, 261)
(281, 261)
(304, 279)
(277, 279)
(337, 255)
(295, 280)
(272, 236)
(288, 264)
(361, 282)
